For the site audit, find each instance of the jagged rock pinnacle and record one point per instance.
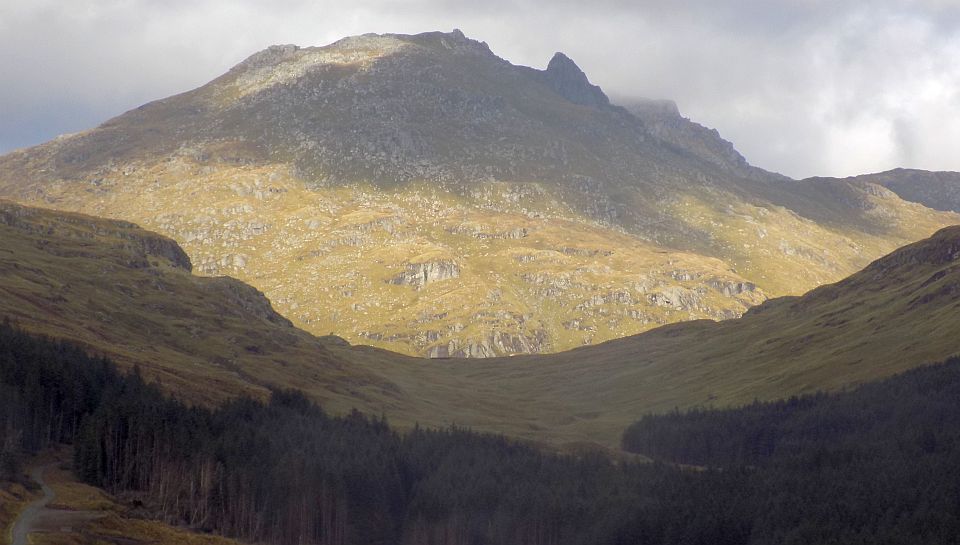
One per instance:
(568, 80)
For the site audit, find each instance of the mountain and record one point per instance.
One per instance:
(936, 190)
(129, 294)
(421, 194)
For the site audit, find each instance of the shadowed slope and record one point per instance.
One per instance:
(129, 294)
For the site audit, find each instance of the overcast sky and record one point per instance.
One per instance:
(803, 87)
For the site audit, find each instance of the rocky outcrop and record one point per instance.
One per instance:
(483, 232)
(421, 274)
(497, 343)
(243, 296)
(731, 289)
(213, 266)
(677, 298)
(166, 248)
(618, 297)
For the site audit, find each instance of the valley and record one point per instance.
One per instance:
(209, 339)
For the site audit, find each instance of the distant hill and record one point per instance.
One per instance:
(936, 190)
(421, 194)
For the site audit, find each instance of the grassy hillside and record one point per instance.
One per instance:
(129, 294)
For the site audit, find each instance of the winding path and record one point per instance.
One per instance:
(28, 518)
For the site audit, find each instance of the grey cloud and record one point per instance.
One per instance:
(906, 137)
(805, 87)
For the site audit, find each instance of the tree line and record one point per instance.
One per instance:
(283, 471)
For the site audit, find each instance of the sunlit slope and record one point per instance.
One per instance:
(421, 194)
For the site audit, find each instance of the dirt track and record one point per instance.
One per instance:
(38, 518)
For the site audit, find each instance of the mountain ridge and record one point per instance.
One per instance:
(936, 190)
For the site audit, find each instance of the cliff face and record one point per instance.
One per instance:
(422, 194)
(421, 274)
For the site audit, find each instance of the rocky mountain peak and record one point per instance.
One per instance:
(453, 42)
(563, 63)
(663, 120)
(568, 80)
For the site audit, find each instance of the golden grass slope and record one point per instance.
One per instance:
(532, 275)
(528, 279)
